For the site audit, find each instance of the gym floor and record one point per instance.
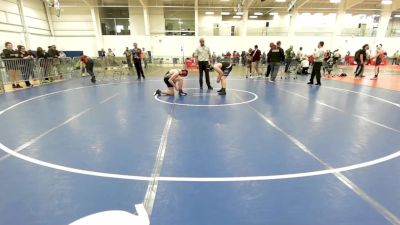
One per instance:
(282, 153)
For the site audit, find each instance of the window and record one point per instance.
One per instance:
(114, 21)
(179, 22)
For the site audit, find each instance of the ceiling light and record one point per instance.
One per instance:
(253, 17)
(225, 13)
(224, 0)
(258, 14)
(237, 17)
(397, 16)
(209, 13)
(239, 13)
(386, 2)
(280, 0)
(335, 1)
(273, 13)
(180, 22)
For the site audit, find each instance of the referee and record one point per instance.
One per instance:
(203, 57)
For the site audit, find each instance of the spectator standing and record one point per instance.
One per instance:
(305, 64)
(145, 57)
(300, 54)
(228, 56)
(268, 72)
(9, 54)
(243, 58)
(102, 53)
(289, 57)
(54, 54)
(137, 61)
(42, 57)
(347, 58)
(26, 65)
(248, 62)
(128, 57)
(263, 58)
(62, 55)
(395, 58)
(235, 57)
(275, 58)
(110, 57)
(256, 56)
(214, 58)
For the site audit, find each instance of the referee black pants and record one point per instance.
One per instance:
(316, 72)
(204, 66)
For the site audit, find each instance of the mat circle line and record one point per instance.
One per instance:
(180, 179)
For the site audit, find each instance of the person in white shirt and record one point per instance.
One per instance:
(300, 54)
(203, 58)
(62, 55)
(305, 64)
(318, 59)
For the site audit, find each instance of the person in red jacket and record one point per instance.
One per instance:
(89, 66)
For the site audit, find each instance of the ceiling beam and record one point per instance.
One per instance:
(395, 5)
(144, 3)
(86, 3)
(246, 5)
(351, 3)
(302, 4)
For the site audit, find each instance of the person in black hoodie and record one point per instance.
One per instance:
(361, 59)
(275, 58)
(9, 54)
(43, 63)
(26, 65)
(54, 54)
(268, 72)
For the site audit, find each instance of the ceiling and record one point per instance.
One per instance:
(324, 6)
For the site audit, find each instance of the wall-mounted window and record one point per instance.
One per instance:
(393, 29)
(114, 21)
(179, 22)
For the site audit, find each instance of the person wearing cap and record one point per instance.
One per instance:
(89, 66)
(174, 81)
(223, 69)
